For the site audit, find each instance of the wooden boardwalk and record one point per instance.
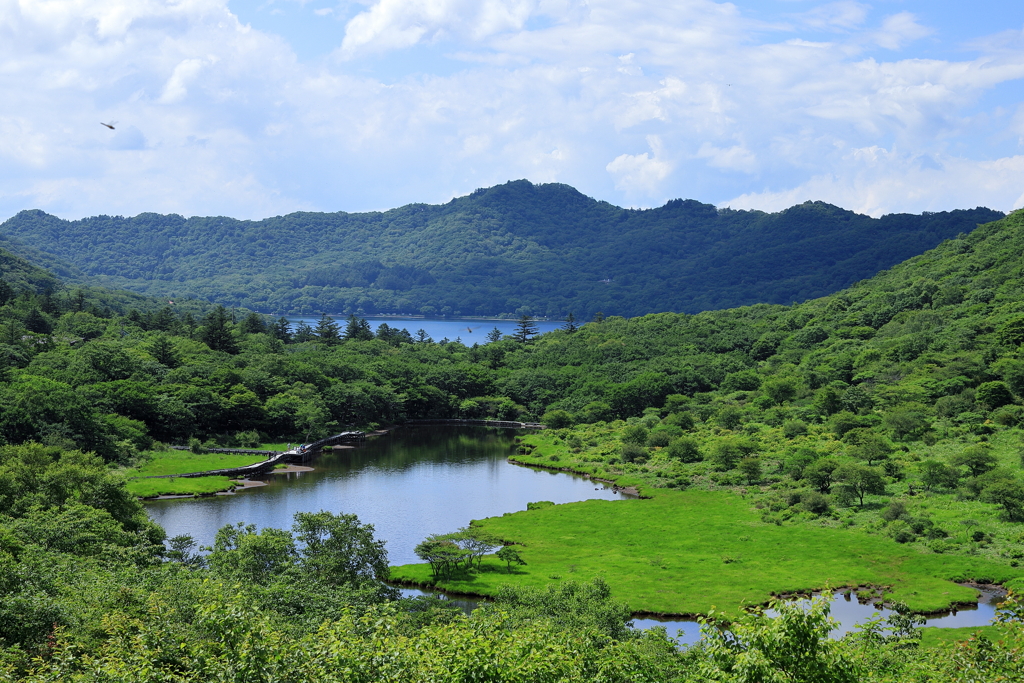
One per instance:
(300, 453)
(303, 452)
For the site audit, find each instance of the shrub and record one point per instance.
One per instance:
(994, 394)
(729, 417)
(794, 428)
(685, 449)
(780, 389)
(632, 452)
(659, 439)
(814, 502)
(726, 453)
(843, 422)
(1008, 416)
(249, 439)
(744, 380)
(557, 419)
(751, 469)
(906, 423)
(897, 510)
(796, 463)
(682, 420)
(904, 536)
(635, 434)
(937, 475)
(596, 411)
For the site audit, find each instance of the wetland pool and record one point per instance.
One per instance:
(417, 481)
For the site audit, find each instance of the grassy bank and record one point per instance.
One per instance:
(932, 636)
(175, 486)
(682, 552)
(163, 463)
(171, 462)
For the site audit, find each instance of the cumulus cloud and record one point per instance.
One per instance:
(640, 173)
(632, 101)
(177, 85)
(735, 158)
(876, 181)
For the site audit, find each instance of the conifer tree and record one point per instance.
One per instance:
(217, 333)
(327, 331)
(526, 329)
(358, 329)
(570, 325)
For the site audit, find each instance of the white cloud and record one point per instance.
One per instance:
(177, 85)
(841, 15)
(220, 118)
(875, 181)
(640, 173)
(391, 24)
(735, 158)
(898, 30)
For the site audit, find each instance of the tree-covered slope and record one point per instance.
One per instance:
(19, 273)
(542, 249)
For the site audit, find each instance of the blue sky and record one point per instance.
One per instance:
(253, 108)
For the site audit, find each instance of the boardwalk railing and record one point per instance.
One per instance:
(299, 453)
(505, 424)
(304, 452)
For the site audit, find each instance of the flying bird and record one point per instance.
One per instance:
(109, 125)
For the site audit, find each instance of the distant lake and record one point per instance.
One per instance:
(467, 331)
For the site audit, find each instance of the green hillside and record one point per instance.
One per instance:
(870, 440)
(546, 250)
(19, 273)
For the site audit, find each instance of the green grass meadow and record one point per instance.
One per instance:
(682, 552)
(163, 463)
(932, 636)
(176, 486)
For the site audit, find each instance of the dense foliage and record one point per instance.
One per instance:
(546, 250)
(87, 593)
(893, 409)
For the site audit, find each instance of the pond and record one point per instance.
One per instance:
(417, 481)
(413, 482)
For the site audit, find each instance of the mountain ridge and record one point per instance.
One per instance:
(515, 248)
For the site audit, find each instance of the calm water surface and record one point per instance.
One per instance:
(467, 331)
(849, 613)
(408, 484)
(418, 481)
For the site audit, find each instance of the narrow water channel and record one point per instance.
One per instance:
(418, 481)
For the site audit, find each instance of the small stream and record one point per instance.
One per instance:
(418, 481)
(850, 614)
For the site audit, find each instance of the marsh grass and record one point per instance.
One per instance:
(162, 463)
(702, 561)
(933, 636)
(175, 486)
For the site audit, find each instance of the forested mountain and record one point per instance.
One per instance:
(546, 250)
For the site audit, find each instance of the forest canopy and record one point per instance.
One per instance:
(543, 250)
